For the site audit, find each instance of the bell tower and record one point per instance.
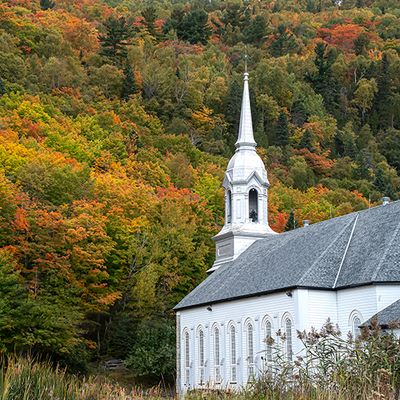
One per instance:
(246, 193)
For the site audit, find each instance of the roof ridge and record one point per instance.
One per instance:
(345, 251)
(355, 213)
(325, 251)
(378, 268)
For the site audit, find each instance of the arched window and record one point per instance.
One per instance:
(233, 353)
(201, 357)
(253, 205)
(268, 339)
(354, 323)
(289, 339)
(217, 356)
(250, 352)
(356, 327)
(187, 359)
(229, 207)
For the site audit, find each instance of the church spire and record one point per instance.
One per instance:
(246, 193)
(245, 137)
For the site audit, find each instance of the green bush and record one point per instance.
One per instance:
(153, 353)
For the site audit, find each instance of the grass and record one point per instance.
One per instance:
(329, 368)
(27, 379)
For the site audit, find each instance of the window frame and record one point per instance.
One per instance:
(201, 358)
(251, 365)
(217, 354)
(355, 331)
(186, 357)
(229, 206)
(233, 354)
(288, 344)
(268, 347)
(252, 197)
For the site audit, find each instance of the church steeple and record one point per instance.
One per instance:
(246, 192)
(245, 137)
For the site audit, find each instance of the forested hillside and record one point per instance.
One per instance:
(117, 119)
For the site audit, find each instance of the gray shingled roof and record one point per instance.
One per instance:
(352, 250)
(387, 316)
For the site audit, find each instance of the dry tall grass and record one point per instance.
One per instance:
(330, 368)
(27, 379)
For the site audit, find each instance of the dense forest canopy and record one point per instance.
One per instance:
(117, 119)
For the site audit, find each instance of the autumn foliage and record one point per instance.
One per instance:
(117, 121)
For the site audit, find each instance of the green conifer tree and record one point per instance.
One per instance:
(361, 43)
(291, 222)
(233, 15)
(323, 81)
(47, 4)
(174, 21)
(129, 85)
(306, 140)
(382, 116)
(299, 113)
(149, 15)
(256, 31)
(282, 130)
(284, 43)
(194, 27)
(115, 40)
(2, 88)
(384, 180)
(364, 164)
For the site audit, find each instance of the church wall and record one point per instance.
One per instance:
(386, 295)
(341, 305)
(306, 307)
(321, 306)
(361, 301)
(239, 313)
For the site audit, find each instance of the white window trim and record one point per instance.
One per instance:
(186, 364)
(251, 366)
(268, 358)
(217, 360)
(201, 358)
(288, 345)
(233, 354)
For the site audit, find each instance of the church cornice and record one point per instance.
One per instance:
(249, 230)
(229, 182)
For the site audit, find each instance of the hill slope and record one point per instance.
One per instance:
(117, 119)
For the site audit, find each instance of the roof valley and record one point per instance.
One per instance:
(331, 244)
(345, 252)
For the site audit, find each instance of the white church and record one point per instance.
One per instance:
(346, 269)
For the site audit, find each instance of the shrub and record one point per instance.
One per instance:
(153, 353)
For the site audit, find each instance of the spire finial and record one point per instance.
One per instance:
(245, 62)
